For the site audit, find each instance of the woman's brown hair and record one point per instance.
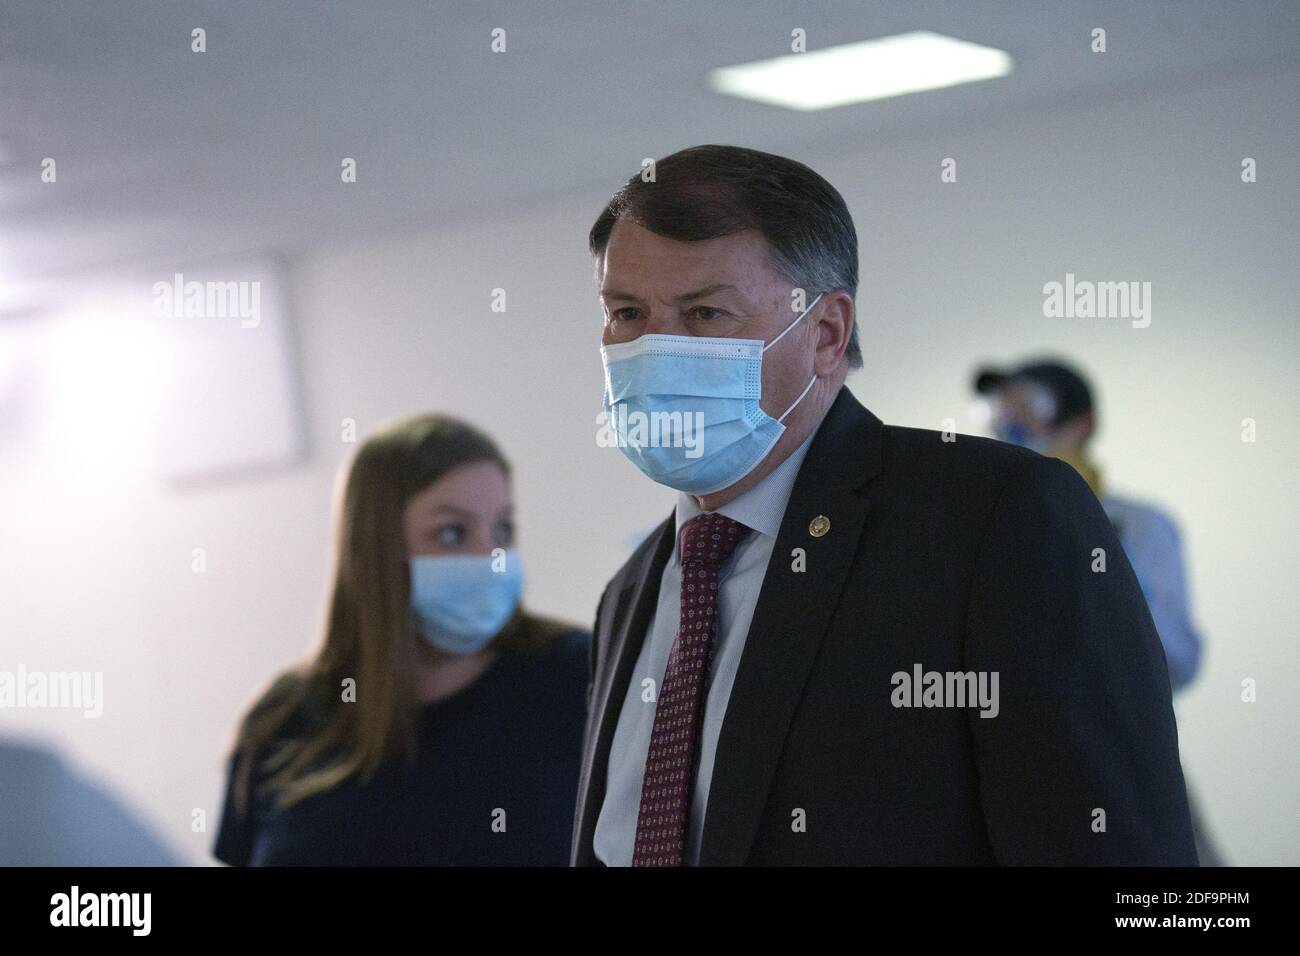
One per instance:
(369, 636)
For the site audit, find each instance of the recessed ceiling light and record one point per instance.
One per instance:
(858, 72)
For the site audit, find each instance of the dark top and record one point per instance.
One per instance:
(500, 755)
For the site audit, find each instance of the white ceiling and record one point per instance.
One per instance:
(163, 153)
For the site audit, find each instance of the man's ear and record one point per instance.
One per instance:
(1078, 429)
(1087, 424)
(835, 315)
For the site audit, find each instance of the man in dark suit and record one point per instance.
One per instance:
(851, 643)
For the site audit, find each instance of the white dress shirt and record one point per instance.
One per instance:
(761, 509)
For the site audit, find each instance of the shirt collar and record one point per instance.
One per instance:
(761, 507)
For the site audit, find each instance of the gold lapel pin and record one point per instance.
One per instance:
(819, 526)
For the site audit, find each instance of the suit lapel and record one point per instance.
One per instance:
(629, 624)
(792, 615)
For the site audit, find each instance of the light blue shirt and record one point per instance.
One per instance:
(1151, 543)
(761, 509)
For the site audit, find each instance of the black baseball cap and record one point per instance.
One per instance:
(1073, 396)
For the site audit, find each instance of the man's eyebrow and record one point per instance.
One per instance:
(684, 297)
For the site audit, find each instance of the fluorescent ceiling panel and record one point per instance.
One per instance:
(858, 72)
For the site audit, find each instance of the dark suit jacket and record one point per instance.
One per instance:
(969, 555)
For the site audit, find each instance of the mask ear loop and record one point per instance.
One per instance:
(798, 400)
(794, 323)
(813, 381)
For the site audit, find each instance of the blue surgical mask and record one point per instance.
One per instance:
(685, 409)
(1013, 433)
(1016, 433)
(460, 601)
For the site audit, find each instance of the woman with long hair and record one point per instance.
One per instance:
(439, 723)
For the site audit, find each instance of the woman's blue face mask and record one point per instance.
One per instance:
(461, 602)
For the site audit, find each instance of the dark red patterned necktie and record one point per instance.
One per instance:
(707, 541)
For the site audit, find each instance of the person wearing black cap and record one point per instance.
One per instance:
(1047, 406)
(1044, 405)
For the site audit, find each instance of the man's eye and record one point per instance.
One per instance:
(705, 313)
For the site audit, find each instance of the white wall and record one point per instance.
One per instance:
(96, 557)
